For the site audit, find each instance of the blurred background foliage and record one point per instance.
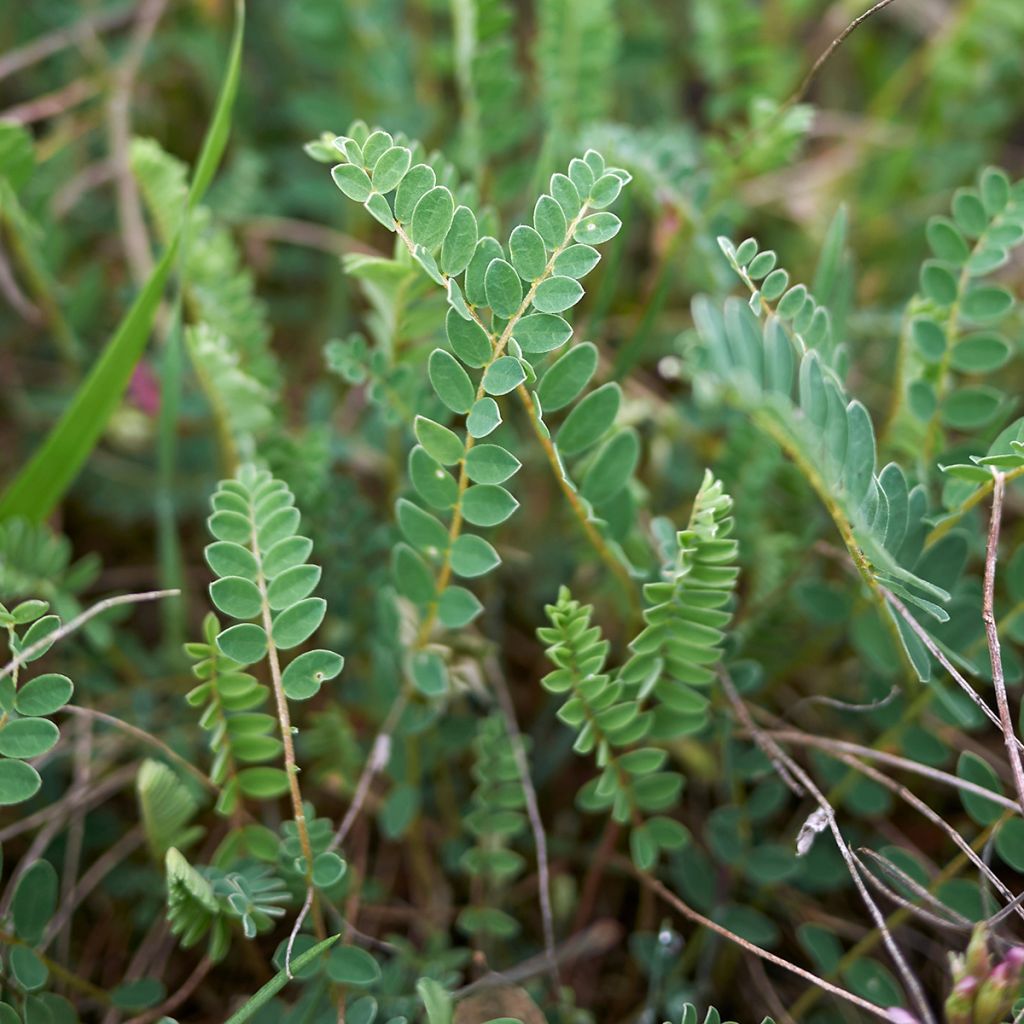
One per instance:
(700, 101)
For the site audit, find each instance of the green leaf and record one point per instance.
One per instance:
(43, 695)
(458, 607)
(226, 558)
(349, 965)
(468, 339)
(232, 526)
(567, 377)
(774, 285)
(612, 467)
(413, 578)
(28, 969)
(938, 283)
(432, 217)
(970, 408)
(587, 423)
(487, 505)
(505, 374)
(576, 261)
(139, 994)
(487, 249)
(278, 982)
(483, 418)
(442, 443)
(353, 181)
(549, 220)
(929, 337)
(542, 332)
(292, 585)
(18, 782)
(473, 556)
(987, 303)
(503, 287)
(980, 353)
(35, 900)
(37, 632)
(946, 241)
(421, 529)
(556, 294)
(429, 674)
(303, 677)
(974, 769)
(527, 252)
(969, 212)
(417, 183)
(28, 737)
(606, 190)
(391, 167)
(1010, 843)
(597, 228)
(28, 611)
(245, 643)
(285, 555)
(240, 598)
(436, 1001)
(328, 869)
(432, 481)
(298, 623)
(278, 526)
(490, 464)
(263, 782)
(460, 242)
(376, 144)
(450, 381)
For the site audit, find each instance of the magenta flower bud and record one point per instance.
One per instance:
(897, 1015)
(960, 1004)
(996, 996)
(1014, 958)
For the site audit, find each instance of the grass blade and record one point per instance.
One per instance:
(37, 489)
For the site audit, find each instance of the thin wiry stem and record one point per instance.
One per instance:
(943, 917)
(144, 737)
(77, 622)
(778, 754)
(801, 90)
(705, 922)
(988, 614)
(828, 744)
(540, 840)
(380, 755)
(75, 34)
(937, 653)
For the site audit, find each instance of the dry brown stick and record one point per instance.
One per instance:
(76, 833)
(376, 762)
(918, 804)
(827, 743)
(688, 912)
(827, 811)
(134, 236)
(52, 103)
(540, 839)
(988, 614)
(91, 878)
(942, 916)
(110, 784)
(801, 90)
(78, 32)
